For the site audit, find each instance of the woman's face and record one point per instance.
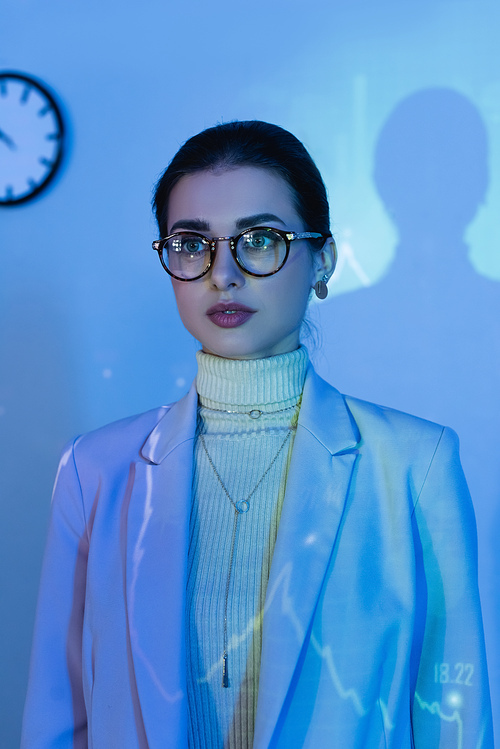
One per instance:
(222, 204)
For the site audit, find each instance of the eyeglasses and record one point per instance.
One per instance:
(260, 251)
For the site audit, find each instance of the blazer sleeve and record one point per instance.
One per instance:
(451, 704)
(55, 715)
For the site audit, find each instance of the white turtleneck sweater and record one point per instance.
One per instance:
(241, 449)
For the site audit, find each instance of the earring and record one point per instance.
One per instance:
(320, 287)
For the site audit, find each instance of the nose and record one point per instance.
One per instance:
(225, 272)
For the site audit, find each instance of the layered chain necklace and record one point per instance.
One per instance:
(241, 507)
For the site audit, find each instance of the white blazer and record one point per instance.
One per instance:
(372, 633)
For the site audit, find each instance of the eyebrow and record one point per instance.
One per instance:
(246, 222)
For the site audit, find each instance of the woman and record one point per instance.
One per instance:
(266, 562)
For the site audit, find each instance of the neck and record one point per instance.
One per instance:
(243, 384)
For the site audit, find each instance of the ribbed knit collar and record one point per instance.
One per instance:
(277, 380)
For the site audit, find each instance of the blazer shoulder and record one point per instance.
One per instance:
(405, 442)
(387, 431)
(391, 420)
(120, 440)
(340, 421)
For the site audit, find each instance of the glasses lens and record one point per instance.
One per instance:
(261, 251)
(186, 255)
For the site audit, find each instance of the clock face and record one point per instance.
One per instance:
(31, 138)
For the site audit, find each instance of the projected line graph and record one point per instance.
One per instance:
(253, 626)
(137, 557)
(279, 595)
(347, 259)
(325, 653)
(281, 588)
(435, 709)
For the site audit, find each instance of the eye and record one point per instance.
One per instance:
(192, 245)
(188, 245)
(259, 240)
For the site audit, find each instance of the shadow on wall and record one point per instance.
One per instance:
(426, 338)
(37, 416)
(431, 170)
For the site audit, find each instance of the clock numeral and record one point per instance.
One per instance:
(44, 110)
(9, 192)
(25, 95)
(3, 88)
(53, 136)
(31, 183)
(45, 162)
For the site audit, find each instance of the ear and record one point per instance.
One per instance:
(325, 260)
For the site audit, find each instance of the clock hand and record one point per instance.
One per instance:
(10, 143)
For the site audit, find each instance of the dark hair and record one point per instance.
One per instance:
(250, 143)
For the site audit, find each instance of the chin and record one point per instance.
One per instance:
(234, 352)
(242, 350)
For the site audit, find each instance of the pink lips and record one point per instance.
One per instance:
(229, 314)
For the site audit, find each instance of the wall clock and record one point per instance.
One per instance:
(31, 137)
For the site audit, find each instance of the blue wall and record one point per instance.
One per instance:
(399, 104)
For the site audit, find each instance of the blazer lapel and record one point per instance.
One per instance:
(157, 541)
(323, 458)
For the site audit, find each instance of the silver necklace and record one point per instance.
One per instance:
(240, 507)
(255, 413)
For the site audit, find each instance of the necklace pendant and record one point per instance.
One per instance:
(225, 676)
(242, 506)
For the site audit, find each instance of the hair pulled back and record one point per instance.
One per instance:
(250, 143)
